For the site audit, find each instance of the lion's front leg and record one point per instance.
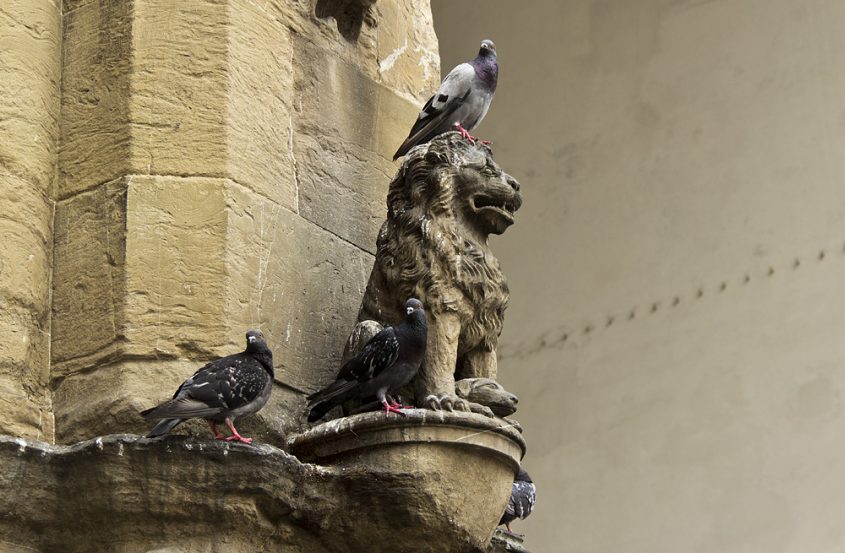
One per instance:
(436, 381)
(435, 386)
(479, 363)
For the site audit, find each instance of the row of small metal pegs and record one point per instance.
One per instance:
(655, 306)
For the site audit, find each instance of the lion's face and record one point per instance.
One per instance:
(486, 197)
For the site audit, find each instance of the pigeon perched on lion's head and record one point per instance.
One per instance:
(460, 103)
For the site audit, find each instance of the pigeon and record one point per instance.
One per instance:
(521, 503)
(230, 387)
(385, 364)
(460, 103)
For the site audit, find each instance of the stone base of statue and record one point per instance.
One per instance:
(444, 474)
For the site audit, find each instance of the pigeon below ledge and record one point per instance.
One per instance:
(521, 502)
(384, 365)
(221, 391)
(460, 103)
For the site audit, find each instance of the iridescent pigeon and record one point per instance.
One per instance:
(221, 391)
(384, 365)
(460, 103)
(521, 503)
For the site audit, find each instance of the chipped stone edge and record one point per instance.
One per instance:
(365, 430)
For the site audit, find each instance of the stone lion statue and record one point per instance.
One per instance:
(446, 199)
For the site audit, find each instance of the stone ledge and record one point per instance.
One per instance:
(124, 493)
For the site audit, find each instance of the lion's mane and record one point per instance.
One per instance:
(423, 252)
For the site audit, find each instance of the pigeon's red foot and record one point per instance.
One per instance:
(216, 432)
(235, 437)
(465, 133)
(486, 142)
(392, 409)
(396, 405)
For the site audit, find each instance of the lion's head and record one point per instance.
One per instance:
(450, 179)
(447, 198)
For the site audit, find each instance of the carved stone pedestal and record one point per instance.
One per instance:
(444, 477)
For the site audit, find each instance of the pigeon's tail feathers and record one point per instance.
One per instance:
(164, 427)
(333, 390)
(183, 408)
(319, 411)
(334, 394)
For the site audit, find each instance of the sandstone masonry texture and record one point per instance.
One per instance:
(223, 165)
(30, 76)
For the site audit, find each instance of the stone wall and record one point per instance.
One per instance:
(222, 165)
(30, 79)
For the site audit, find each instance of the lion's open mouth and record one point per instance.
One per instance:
(505, 208)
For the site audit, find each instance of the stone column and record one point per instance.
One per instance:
(30, 77)
(223, 166)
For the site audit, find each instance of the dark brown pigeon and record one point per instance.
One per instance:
(221, 391)
(384, 365)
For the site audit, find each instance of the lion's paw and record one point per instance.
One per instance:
(449, 402)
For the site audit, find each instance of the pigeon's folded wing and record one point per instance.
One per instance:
(434, 117)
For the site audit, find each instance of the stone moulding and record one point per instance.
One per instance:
(340, 438)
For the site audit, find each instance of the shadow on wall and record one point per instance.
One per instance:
(349, 15)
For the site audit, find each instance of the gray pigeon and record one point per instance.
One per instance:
(384, 365)
(231, 387)
(521, 503)
(460, 103)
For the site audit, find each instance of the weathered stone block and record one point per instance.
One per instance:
(96, 66)
(335, 99)
(342, 187)
(408, 61)
(343, 145)
(25, 249)
(178, 87)
(88, 272)
(300, 282)
(30, 73)
(176, 281)
(24, 377)
(208, 97)
(260, 125)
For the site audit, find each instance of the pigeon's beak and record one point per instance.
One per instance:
(252, 339)
(409, 310)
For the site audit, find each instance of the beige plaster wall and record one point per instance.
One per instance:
(677, 270)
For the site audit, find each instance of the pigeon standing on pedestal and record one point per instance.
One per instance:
(384, 365)
(231, 387)
(460, 103)
(521, 503)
